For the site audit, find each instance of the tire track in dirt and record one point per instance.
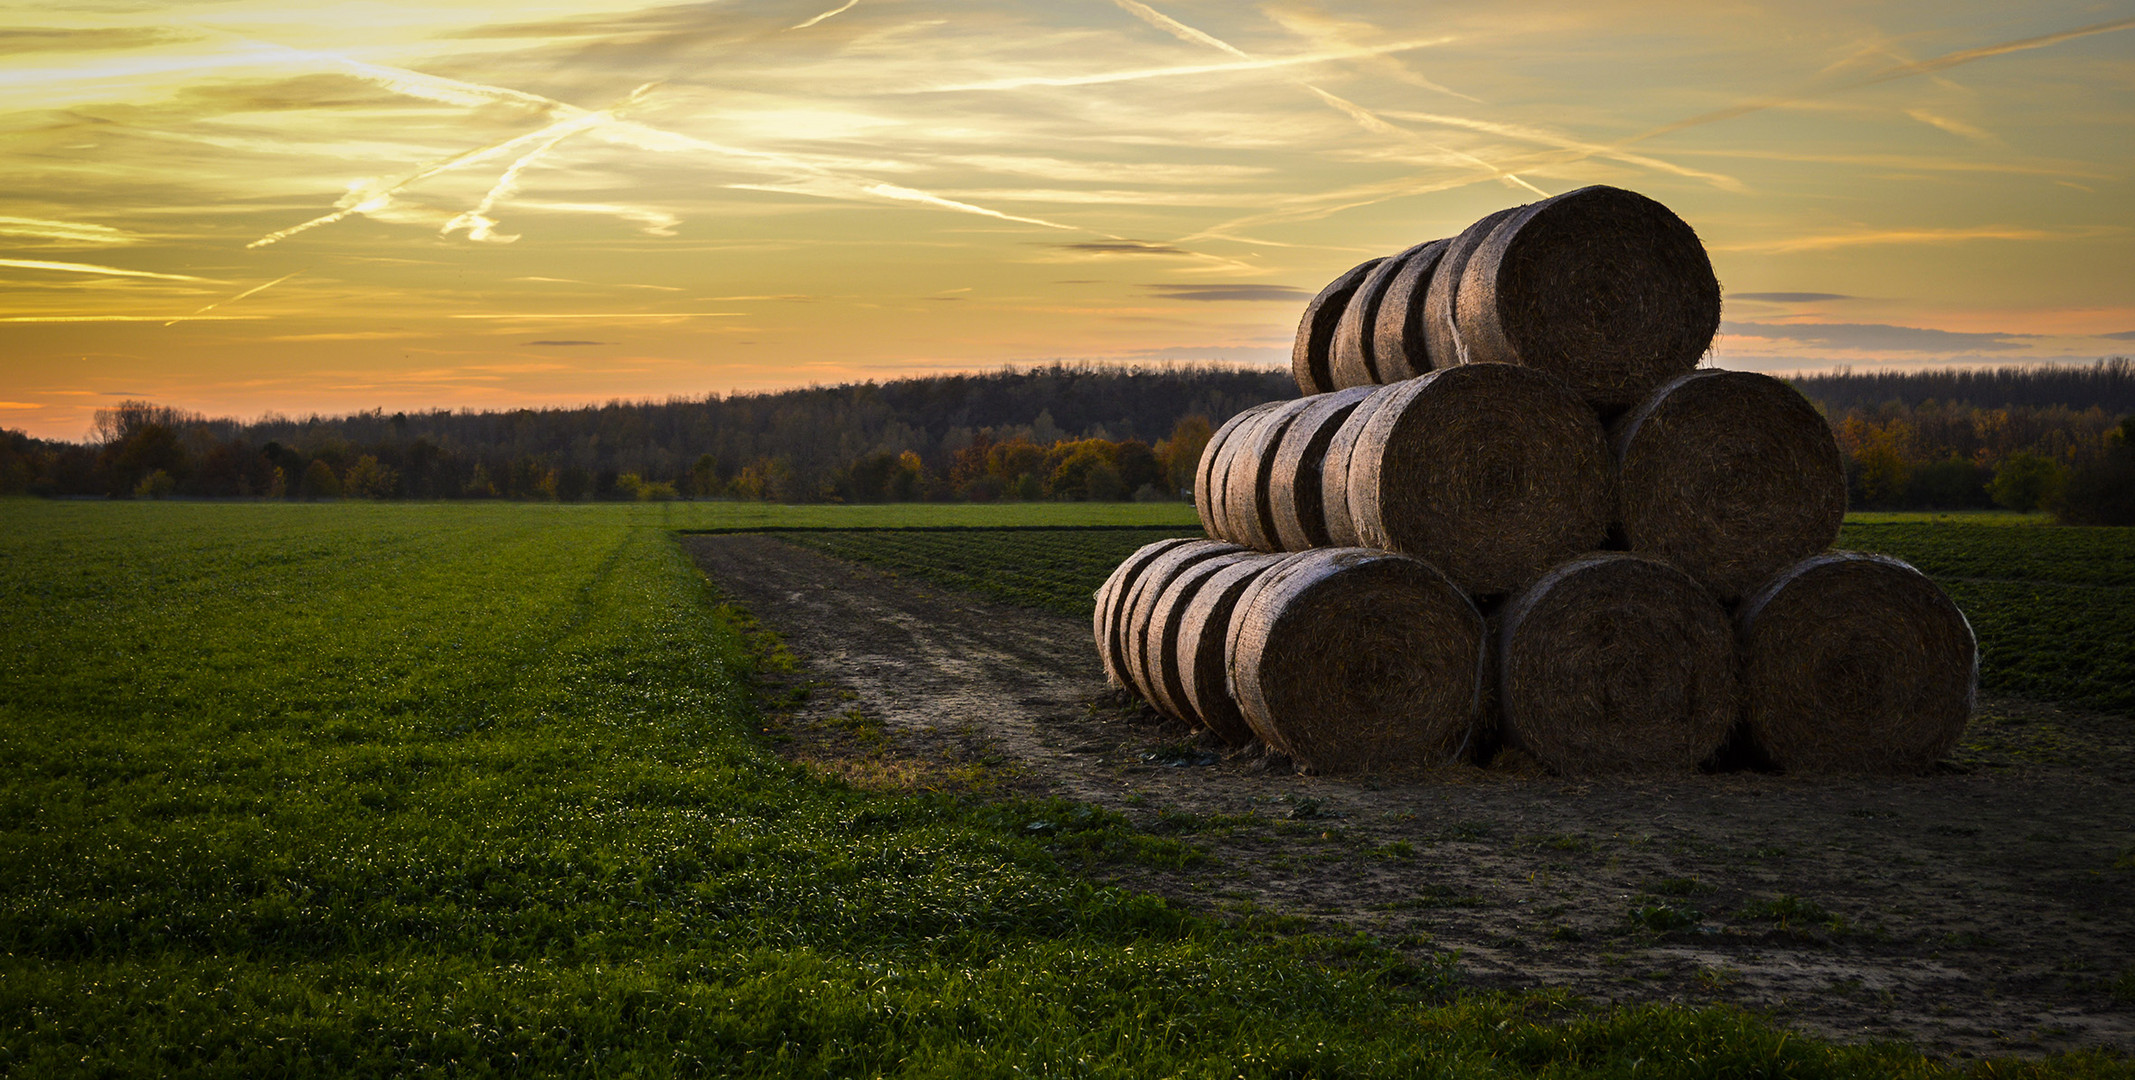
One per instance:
(1989, 909)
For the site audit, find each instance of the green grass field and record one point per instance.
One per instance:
(470, 790)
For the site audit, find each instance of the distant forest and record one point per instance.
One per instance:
(2023, 437)
(2107, 384)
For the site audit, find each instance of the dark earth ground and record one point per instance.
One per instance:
(1988, 909)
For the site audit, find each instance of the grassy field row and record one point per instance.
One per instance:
(389, 790)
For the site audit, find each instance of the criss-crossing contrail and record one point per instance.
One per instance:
(1364, 117)
(248, 292)
(1367, 195)
(569, 121)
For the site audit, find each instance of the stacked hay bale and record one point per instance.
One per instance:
(1510, 510)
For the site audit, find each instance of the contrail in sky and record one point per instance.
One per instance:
(92, 268)
(1251, 64)
(234, 299)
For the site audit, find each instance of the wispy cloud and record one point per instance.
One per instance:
(1958, 235)
(1284, 293)
(570, 343)
(1876, 337)
(1788, 297)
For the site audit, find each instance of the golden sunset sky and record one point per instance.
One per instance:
(249, 205)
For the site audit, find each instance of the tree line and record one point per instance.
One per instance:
(2059, 438)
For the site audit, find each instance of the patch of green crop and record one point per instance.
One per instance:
(1054, 569)
(390, 790)
(2053, 606)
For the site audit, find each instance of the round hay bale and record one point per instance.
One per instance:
(1601, 287)
(1441, 328)
(1613, 663)
(1399, 347)
(1201, 645)
(1351, 361)
(1206, 478)
(1294, 504)
(1729, 475)
(1160, 644)
(1334, 470)
(1251, 518)
(1348, 659)
(1112, 595)
(1140, 608)
(1492, 472)
(1313, 350)
(1855, 663)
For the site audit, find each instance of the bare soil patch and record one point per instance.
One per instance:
(1988, 909)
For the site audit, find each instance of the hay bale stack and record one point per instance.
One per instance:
(1399, 347)
(1855, 663)
(1613, 663)
(1601, 287)
(1313, 350)
(1201, 649)
(1352, 360)
(1441, 326)
(1208, 479)
(1140, 608)
(1334, 470)
(1161, 644)
(1249, 512)
(1111, 598)
(1493, 472)
(1731, 476)
(1349, 659)
(1294, 501)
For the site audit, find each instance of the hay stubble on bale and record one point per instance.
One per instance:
(1347, 659)
(1613, 663)
(1208, 481)
(1248, 514)
(1400, 350)
(1111, 598)
(1294, 495)
(1855, 663)
(1603, 288)
(1351, 360)
(1140, 609)
(1441, 328)
(1731, 476)
(1492, 472)
(1334, 469)
(1161, 642)
(1201, 648)
(1313, 350)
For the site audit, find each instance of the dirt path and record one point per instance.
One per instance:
(1989, 909)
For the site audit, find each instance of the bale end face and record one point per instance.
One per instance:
(1613, 663)
(1603, 288)
(1731, 476)
(1492, 472)
(1855, 663)
(1398, 689)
